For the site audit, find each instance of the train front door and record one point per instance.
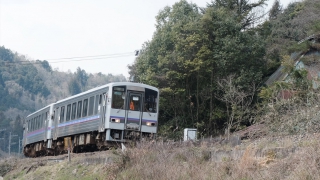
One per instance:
(134, 110)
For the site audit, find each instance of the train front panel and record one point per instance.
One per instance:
(133, 112)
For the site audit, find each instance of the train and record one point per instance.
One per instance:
(97, 119)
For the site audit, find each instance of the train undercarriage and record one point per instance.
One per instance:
(86, 142)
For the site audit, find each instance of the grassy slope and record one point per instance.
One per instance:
(286, 157)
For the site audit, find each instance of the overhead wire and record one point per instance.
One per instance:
(91, 56)
(71, 59)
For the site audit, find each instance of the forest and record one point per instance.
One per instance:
(210, 64)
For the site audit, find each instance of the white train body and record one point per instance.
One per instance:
(115, 112)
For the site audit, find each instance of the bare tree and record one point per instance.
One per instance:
(238, 101)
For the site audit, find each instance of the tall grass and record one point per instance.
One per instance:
(288, 158)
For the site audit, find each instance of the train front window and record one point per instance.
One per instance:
(150, 102)
(134, 103)
(118, 97)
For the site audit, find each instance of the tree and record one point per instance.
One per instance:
(82, 78)
(275, 10)
(74, 87)
(238, 101)
(6, 54)
(189, 51)
(242, 9)
(45, 64)
(1, 80)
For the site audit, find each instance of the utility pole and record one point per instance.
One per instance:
(9, 143)
(19, 146)
(1, 138)
(10, 136)
(1, 130)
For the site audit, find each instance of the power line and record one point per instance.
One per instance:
(71, 59)
(131, 53)
(92, 58)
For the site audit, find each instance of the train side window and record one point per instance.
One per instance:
(29, 125)
(62, 114)
(150, 101)
(91, 105)
(96, 105)
(68, 112)
(39, 121)
(42, 115)
(118, 97)
(73, 113)
(32, 124)
(36, 123)
(79, 109)
(85, 108)
(45, 118)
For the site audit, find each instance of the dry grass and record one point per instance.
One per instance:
(289, 157)
(265, 159)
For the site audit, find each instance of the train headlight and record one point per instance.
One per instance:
(116, 120)
(150, 124)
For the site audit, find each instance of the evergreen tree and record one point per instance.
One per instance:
(74, 87)
(275, 10)
(189, 52)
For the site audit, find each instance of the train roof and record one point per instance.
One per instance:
(40, 110)
(108, 85)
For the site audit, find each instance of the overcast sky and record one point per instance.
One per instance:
(52, 30)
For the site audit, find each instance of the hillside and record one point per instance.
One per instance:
(273, 157)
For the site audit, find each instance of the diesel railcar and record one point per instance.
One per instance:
(93, 120)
